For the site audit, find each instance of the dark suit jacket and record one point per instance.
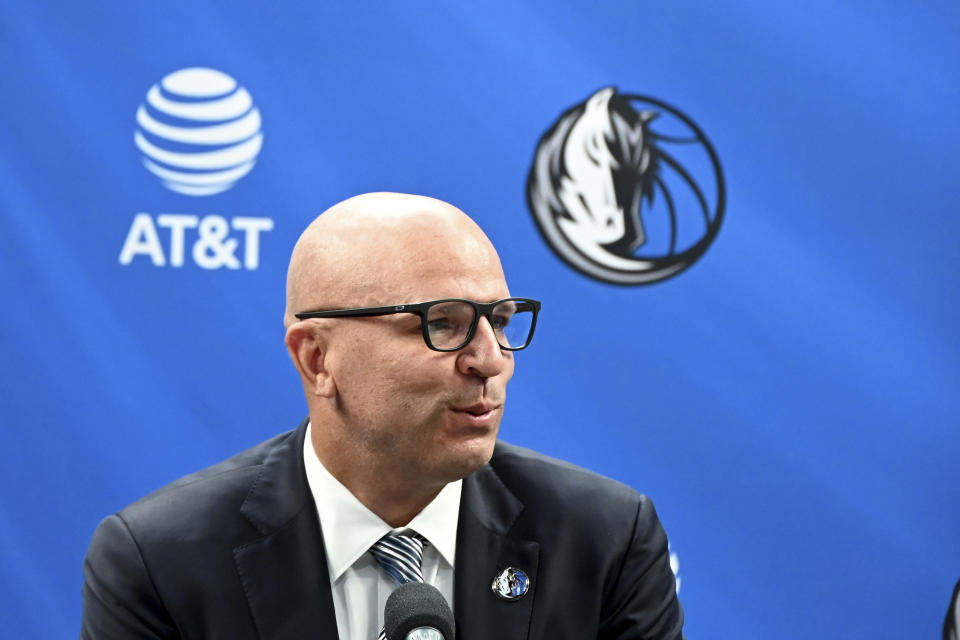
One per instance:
(951, 624)
(235, 552)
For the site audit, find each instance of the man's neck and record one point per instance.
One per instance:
(394, 496)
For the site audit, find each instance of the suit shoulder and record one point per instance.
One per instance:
(527, 472)
(220, 488)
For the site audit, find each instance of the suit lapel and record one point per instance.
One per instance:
(484, 548)
(284, 573)
(286, 579)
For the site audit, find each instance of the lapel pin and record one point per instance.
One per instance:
(510, 584)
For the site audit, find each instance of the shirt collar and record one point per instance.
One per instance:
(350, 529)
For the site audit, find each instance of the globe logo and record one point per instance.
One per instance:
(199, 131)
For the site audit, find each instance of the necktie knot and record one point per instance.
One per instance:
(400, 556)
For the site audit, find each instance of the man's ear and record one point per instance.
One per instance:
(307, 346)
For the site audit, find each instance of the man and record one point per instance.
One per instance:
(405, 401)
(951, 624)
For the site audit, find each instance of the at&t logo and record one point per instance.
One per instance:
(199, 133)
(212, 248)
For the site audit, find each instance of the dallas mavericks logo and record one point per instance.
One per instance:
(626, 189)
(198, 131)
(510, 584)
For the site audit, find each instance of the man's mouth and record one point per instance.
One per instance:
(479, 409)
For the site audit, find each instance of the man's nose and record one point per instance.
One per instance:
(482, 356)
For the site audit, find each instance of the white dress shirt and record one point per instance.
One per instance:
(359, 586)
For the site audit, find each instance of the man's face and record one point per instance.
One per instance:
(435, 414)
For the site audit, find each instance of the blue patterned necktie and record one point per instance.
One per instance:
(400, 556)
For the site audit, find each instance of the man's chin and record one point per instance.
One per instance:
(468, 457)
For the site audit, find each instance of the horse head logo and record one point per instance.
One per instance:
(598, 170)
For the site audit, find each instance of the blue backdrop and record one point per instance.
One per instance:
(790, 401)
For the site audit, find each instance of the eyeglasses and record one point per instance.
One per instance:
(450, 324)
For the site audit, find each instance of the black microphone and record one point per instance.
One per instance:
(417, 611)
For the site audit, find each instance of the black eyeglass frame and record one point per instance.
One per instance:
(480, 309)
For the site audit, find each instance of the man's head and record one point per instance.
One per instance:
(378, 396)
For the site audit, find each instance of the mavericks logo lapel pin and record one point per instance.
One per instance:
(510, 584)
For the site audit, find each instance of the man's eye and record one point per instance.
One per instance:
(501, 321)
(436, 325)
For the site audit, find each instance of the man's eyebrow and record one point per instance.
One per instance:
(413, 318)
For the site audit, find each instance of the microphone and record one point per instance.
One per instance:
(417, 611)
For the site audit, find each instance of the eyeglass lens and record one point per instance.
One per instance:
(448, 324)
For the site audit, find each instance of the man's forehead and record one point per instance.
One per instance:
(371, 249)
(429, 279)
(415, 257)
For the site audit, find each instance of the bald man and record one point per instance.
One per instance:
(402, 328)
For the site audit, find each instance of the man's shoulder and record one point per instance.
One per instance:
(218, 490)
(561, 502)
(528, 473)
